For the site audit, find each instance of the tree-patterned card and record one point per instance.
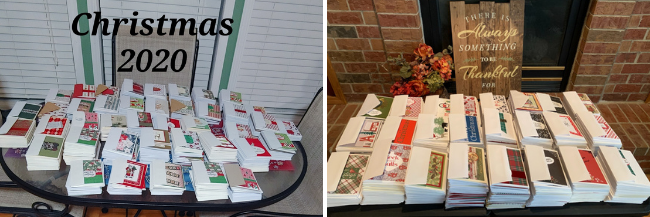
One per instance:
(144, 119)
(215, 172)
(51, 147)
(353, 171)
(136, 103)
(29, 111)
(437, 170)
(174, 175)
(235, 97)
(285, 141)
(92, 171)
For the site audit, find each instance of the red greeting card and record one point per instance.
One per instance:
(281, 165)
(259, 148)
(135, 174)
(593, 168)
(405, 132)
(84, 91)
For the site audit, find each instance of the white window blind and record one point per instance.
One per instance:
(281, 67)
(197, 9)
(35, 48)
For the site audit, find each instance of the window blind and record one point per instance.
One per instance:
(197, 9)
(35, 48)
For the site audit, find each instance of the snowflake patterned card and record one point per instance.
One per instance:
(369, 132)
(500, 103)
(396, 163)
(93, 171)
(135, 174)
(351, 178)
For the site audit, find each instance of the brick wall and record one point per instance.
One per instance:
(613, 59)
(362, 33)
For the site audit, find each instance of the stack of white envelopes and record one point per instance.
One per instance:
(235, 113)
(467, 177)
(465, 121)
(498, 121)
(149, 151)
(17, 132)
(386, 177)
(426, 177)
(533, 129)
(252, 154)
(432, 129)
(584, 175)
(186, 146)
(279, 145)
(86, 177)
(44, 153)
(109, 121)
(127, 178)
(166, 178)
(360, 134)
(345, 174)
(593, 127)
(218, 149)
(155, 91)
(124, 145)
(242, 183)
(508, 181)
(209, 181)
(209, 111)
(628, 182)
(564, 130)
(548, 183)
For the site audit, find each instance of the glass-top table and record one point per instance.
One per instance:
(50, 185)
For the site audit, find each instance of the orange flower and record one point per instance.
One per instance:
(423, 51)
(417, 88)
(443, 67)
(448, 58)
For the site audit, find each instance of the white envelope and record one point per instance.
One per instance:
(536, 160)
(132, 119)
(457, 106)
(545, 102)
(430, 105)
(487, 101)
(616, 164)
(458, 160)
(640, 178)
(555, 123)
(146, 137)
(574, 103)
(574, 164)
(351, 132)
(518, 98)
(526, 124)
(492, 122)
(369, 104)
(398, 108)
(590, 122)
(377, 160)
(424, 127)
(457, 127)
(418, 166)
(497, 159)
(335, 166)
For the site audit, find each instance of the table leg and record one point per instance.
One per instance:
(163, 213)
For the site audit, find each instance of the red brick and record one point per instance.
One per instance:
(634, 21)
(353, 44)
(597, 59)
(355, 97)
(612, 8)
(636, 68)
(634, 136)
(396, 6)
(625, 57)
(600, 22)
(377, 44)
(634, 34)
(588, 89)
(368, 31)
(370, 17)
(347, 113)
(600, 47)
(401, 34)
(594, 98)
(644, 58)
(604, 35)
(346, 56)
(375, 56)
(645, 88)
(337, 5)
(629, 113)
(606, 113)
(642, 8)
(381, 78)
(617, 68)
(346, 88)
(398, 20)
(617, 79)
(360, 5)
(334, 113)
(637, 96)
(615, 96)
(618, 113)
(625, 46)
(361, 67)
(334, 133)
(352, 17)
(367, 88)
(644, 79)
(645, 21)
(627, 88)
(590, 80)
(401, 46)
(609, 88)
(594, 70)
(338, 67)
(330, 44)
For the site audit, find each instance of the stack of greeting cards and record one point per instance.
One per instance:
(166, 178)
(291, 130)
(584, 175)
(376, 106)
(203, 95)
(57, 109)
(82, 142)
(497, 119)
(386, 178)
(345, 172)
(467, 177)
(524, 101)
(533, 129)
(135, 119)
(194, 124)
(86, 177)
(465, 121)
(186, 146)
(360, 134)
(179, 92)
(209, 181)
(406, 107)
(58, 95)
(261, 120)
(157, 106)
(548, 183)
(426, 177)
(180, 108)
(508, 181)
(109, 121)
(130, 103)
(564, 130)
(211, 112)
(158, 91)
(242, 183)
(252, 154)
(25, 110)
(44, 153)
(84, 91)
(229, 96)
(235, 113)
(107, 104)
(53, 126)
(432, 130)
(79, 104)
(131, 88)
(149, 150)
(17, 132)
(593, 127)
(107, 90)
(218, 148)
(626, 178)
(279, 145)
(590, 106)
(127, 178)
(121, 144)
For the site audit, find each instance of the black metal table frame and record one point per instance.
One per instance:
(140, 205)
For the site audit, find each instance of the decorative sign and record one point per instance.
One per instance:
(488, 46)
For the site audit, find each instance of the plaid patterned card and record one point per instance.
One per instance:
(20, 127)
(516, 167)
(350, 182)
